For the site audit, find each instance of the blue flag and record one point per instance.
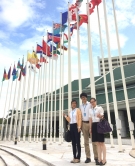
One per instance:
(64, 17)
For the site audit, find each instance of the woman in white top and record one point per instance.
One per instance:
(75, 119)
(96, 113)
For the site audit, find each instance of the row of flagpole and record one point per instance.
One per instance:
(40, 116)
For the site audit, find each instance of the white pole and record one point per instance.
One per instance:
(79, 69)
(45, 73)
(22, 105)
(38, 89)
(32, 108)
(16, 115)
(10, 129)
(39, 103)
(104, 75)
(27, 105)
(123, 78)
(1, 89)
(92, 81)
(55, 102)
(4, 111)
(48, 108)
(42, 91)
(112, 79)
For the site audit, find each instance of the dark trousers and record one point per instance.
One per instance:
(75, 138)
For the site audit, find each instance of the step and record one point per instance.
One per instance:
(26, 158)
(2, 163)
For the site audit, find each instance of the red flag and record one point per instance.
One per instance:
(42, 59)
(46, 48)
(92, 5)
(83, 18)
(38, 65)
(20, 76)
(96, 2)
(72, 13)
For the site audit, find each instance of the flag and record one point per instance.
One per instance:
(64, 17)
(5, 76)
(32, 58)
(72, 27)
(24, 71)
(46, 48)
(15, 76)
(32, 68)
(72, 13)
(39, 49)
(57, 28)
(83, 18)
(14, 71)
(38, 65)
(55, 38)
(78, 3)
(96, 2)
(9, 73)
(18, 65)
(52, 48)
(20, 76)
(65, 38)
(56, 52)
(22, 62)
(42, 59)
(63, 47)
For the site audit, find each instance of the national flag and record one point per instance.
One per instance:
(78, 3)
(62, 47)
(24, 71)
(32, 58)
(19, 65)
(15, 76)
(83, 18)
(5, 76)
(96, 2)
(14, 71)
(20, 76)
(56, 52)
(52, 48)
(38, 65)
(39, 49)
(72, 13)
(32, 68)
(64, 17)
(72, 27)
(42, 59)
(55, 38)
(9, 73)
(65, 38)
(46, 48)
(57, 28)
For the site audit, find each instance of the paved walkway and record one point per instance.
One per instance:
(61, 155)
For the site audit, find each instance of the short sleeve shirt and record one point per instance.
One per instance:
(93, 112)
(85, 111)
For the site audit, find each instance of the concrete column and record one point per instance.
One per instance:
(123, 124)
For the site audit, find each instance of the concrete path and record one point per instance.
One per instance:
(61, 155)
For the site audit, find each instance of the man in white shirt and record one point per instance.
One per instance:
(84, 107)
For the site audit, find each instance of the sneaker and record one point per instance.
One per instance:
(88, 160)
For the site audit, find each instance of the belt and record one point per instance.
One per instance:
(85, 121)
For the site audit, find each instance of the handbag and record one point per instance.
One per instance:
(67, 136)
(103, 127)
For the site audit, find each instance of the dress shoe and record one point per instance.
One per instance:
(88, 160)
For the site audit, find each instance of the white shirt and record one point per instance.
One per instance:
(93, 112)
(72, 115)
(85, 111)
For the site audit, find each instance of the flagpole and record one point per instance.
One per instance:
(32, 108)
(16, 114)
(123, 78)
(92, 81)
(55, 103)
(48, 99)
(105, 82)
(4, 113)
(27, 105)
(44, 126)
(38, 88)
(112, 81)
(79, 69)
(8, 111)
(1, 89)
(22, 106)
(52, 90)
(12, 111)
(39, 106)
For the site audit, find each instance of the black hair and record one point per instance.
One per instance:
(83, 94)
(73, 101)
(92, 98)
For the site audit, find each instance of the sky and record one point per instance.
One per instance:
(23, 23)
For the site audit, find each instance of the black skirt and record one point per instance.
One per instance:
(96, 137)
